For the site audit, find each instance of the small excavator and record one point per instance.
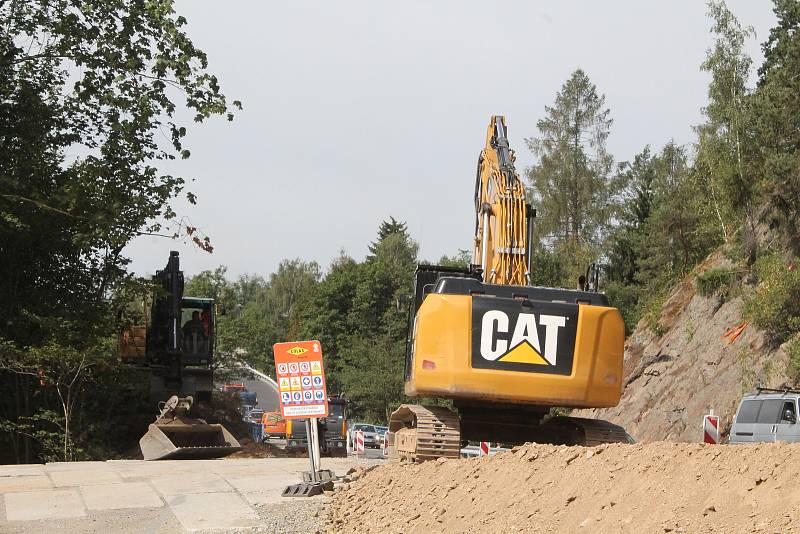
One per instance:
(503, 351)
(175, 342)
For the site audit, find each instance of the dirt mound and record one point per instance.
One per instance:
(654, 487)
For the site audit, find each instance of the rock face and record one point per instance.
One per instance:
(671, 380)
(650, 487)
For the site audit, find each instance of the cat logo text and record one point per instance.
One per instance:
(535, 337)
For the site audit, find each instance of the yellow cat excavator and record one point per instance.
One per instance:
(502, 350)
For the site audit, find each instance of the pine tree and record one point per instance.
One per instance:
(387, 228)
(571, 178)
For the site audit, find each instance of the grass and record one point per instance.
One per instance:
(718, 281)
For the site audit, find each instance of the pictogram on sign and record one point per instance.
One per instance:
(299, 364)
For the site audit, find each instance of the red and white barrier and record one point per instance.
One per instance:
(358, 439)
(385, 444)
(485, 446)
(711, 428)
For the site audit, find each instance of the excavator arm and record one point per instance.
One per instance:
(503, 216)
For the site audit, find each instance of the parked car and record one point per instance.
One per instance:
(767, 415)
(371, 438)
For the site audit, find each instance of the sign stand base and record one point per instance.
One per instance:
(316, 480)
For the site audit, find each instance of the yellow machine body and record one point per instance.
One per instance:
(442, 351)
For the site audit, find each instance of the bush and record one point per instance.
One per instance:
(793, 351)
(775, 305)
(717, 281)
(626, 300)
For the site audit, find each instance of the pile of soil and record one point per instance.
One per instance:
(653, 487)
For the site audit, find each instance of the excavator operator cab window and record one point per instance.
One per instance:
(197, 325)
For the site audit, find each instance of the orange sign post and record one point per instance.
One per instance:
(301, 379)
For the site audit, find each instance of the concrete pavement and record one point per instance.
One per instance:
(169, 496)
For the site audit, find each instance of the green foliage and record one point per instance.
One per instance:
(721, 157)
(793, 351)
(90, 95)
(258, 311)
(571, 186)
(775, 114)
(463, 258)
(626, 299)
(359, 313)
(717, 281)
(775, 305)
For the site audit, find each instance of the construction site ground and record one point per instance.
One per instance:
(644, 488)
(132, 496)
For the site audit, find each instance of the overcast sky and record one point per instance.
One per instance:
(355, 111)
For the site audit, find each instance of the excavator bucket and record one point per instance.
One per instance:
(192, 441)
(176, 437)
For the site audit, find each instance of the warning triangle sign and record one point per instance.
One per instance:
(524, 353)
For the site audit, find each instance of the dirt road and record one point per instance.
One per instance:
(656, 487)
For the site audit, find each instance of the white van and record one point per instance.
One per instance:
(768, 415)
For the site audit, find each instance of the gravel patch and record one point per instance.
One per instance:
(295, 515)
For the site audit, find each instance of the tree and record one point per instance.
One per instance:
(570, 182)
(463, 258)
(722, 138)
(775, 116)
(627, 241)
(89, 98)
(387, 228)
(676, 236)
(359, 314)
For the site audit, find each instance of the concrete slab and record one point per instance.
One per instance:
(21, 469)
(24, 483)
(259, 483)
(83, 477)
(264, 497)
(119, 496)
(190, 483)
(77, 466)
(34, 505)
(202, 511)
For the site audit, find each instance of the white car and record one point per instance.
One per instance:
(371, 437)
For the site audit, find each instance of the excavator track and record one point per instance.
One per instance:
(419, 433)
(588, 432)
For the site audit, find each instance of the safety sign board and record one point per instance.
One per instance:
(301, 379)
